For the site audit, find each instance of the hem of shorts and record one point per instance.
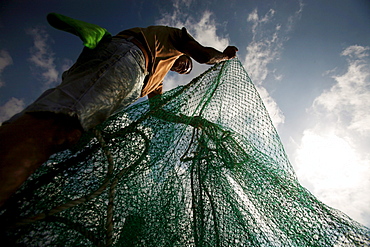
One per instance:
(67, 112)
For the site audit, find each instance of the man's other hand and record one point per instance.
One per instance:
(230, 51)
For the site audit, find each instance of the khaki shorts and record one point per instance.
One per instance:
(101, 82)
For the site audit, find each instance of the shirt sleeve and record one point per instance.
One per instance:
(182, 38)
(158, 90)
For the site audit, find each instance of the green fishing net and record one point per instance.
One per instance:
(200, 166)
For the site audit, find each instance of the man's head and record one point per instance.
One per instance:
(182, 65)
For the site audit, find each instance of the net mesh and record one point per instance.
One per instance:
(200, 166)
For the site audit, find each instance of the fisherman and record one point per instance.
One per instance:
(111, 73)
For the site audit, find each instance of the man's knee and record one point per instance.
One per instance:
(64, 131)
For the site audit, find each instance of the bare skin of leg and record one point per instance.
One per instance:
(28, 142)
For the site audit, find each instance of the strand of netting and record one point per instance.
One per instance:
(200, 166)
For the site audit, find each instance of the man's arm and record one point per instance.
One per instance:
(208, 55)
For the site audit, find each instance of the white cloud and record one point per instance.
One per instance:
(5, 60)
(293, 18)
(349, 99)
(356, 51)
(265, 48)
(259, 55)
(67, 63)
(42, 58)
(257, 21)
(335, 172)
(13, 106)
(177, 17)
(203, 30)
(268, 37)
(332, 159)
(276, 115)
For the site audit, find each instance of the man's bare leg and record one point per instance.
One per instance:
(28, 142)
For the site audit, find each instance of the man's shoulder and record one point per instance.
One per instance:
(155, 29)
(162, 28)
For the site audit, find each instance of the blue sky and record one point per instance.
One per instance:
(309, 59)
